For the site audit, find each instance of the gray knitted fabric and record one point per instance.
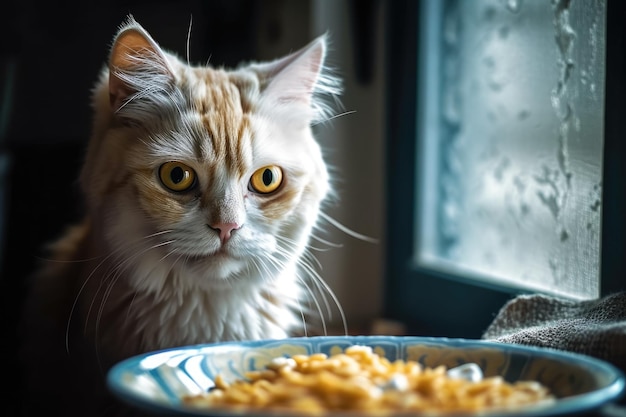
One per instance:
(592, 327)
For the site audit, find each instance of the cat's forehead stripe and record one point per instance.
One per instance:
(224, 115)
(228, 144)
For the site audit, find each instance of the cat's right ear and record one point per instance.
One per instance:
(136, 63)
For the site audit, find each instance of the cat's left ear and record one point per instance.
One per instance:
(136, 62)
(297, 82)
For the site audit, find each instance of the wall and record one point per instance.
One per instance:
(355, 144)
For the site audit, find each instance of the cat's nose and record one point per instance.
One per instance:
(225, 230)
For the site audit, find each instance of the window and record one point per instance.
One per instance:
(506, 176)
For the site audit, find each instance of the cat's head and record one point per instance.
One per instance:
(206, 172)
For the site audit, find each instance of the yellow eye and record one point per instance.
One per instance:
(177, 176)
(267, 179)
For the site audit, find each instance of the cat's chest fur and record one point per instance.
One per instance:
(134, 322)
(122, 319)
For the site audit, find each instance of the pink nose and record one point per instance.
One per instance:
(225, 230)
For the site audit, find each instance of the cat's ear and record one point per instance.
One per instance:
(298, 82)
(136, 62)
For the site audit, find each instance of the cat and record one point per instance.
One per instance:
(202, 188)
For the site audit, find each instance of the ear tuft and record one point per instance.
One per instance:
(301, 83)
(135, 62)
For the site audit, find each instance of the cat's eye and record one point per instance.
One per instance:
(177, 176)
(266, 180)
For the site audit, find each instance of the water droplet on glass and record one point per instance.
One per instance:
(514, 6)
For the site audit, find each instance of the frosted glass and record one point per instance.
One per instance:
(512, 137)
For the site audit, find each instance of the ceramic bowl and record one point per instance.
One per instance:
(156, 381)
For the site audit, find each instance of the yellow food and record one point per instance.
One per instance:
(360, 380)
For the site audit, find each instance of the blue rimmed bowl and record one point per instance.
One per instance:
(157, 381)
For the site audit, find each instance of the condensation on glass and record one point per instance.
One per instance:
(511, 128)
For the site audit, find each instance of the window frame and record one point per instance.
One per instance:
(435, 303)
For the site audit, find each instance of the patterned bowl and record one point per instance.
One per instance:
(157, 381)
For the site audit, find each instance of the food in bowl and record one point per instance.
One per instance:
(358, 379)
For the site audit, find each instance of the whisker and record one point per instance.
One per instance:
(306, 253)
(317, 306)
(67, 261)
(189, 37)
(119, 269)
(262, 266)
(309, 257)
(169, 253)
(91, 274)
(75, 303)
(317, 278)
(328, 119)
(345, 113)
(305, 328)
(347, 230)
(326, 242)
(322, 287)
(112, 280)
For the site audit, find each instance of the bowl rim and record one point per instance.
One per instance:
(613, 391)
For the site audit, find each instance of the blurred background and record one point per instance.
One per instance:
(482, 146)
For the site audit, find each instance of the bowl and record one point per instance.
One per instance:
(157, 381)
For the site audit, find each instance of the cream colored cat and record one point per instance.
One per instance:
(202, 188)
